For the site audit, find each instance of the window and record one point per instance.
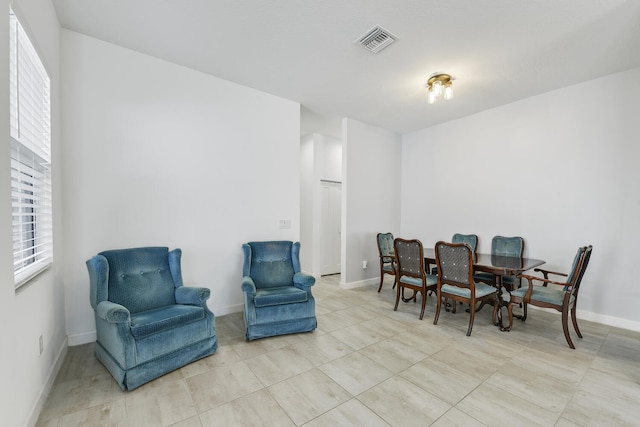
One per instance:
(30, 135)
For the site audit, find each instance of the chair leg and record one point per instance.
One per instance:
(565, 326)
(575, 321)
(510, 310)
(397, 297)
(381, 279)
(438, 305)
(472, 315)
(424, 303)
(494, 316)
(524, 311)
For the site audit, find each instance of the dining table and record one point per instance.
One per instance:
(498, 265)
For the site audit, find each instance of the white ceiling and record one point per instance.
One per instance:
(499, 51)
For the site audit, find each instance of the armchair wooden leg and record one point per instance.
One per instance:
(575, 321)
(381, 280)
(438, 305)
(565, 326)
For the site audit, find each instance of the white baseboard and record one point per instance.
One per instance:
(83, 338)
(46, 387)
(228, 310)
(373, 281)
(616, 322)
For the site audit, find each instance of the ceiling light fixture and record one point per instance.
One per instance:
(439, 84)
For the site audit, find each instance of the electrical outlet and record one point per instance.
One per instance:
(365, 264)
(284, 223)
(41, 344)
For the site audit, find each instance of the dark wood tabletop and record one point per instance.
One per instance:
(498, 265)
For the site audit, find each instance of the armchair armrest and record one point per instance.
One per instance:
(547, 272)
(191, 295)
(248, 287)
(112, 312)
(545, 282)
(303, 281)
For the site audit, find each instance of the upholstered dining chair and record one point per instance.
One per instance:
(469, 239)
(562, 296)
(455, 280)
(503, 246)
(387, 257)
(277, 296)
(147, 322)
(410, 272)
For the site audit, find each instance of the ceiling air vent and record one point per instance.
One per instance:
(376, 39)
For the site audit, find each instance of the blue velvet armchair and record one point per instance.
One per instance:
(147, 322)
(277, 296)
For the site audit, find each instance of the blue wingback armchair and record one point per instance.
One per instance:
(147, 322)
(277, 296)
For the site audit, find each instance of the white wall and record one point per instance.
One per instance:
(157, 154)
(370, 197)
(559, 169)
(38, 307)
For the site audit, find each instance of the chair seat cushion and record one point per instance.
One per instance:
(280, 295)
(387, 267)
(431, 280)
(546, 294)
(159, 319)
(482, 290)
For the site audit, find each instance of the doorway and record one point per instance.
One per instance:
(330, 226)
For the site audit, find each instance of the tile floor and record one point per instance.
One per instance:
(367, 365)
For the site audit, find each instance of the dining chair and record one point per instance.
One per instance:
(387, 257)
(455, 280)
(562, 299)
(472, 241)
(503, 246)
(411, 273)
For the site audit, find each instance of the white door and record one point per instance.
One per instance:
(330, 227)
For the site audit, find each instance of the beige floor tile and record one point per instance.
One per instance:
(278, 365)
(474, 362)
(356, 372)
(442, 380)
(222, 384)
(308, 395)
(189, 422)
(394, 354)
(386, 326)
(495, 407)
(164, 405)
(226, 355)
(322, 349)
(455, 418)
(402, 403)
(253, 410)
(536, 387)
(110, 414)
(604, 400)
(77, 394)
(350, 414)
(358, 336)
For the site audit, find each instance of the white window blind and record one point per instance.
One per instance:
(30, 135)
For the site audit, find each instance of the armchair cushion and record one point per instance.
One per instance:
(278, 296)
(546, 294)
(171, 316)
